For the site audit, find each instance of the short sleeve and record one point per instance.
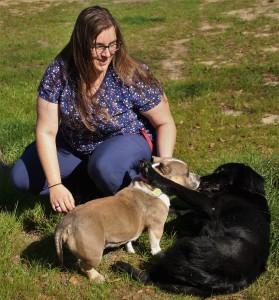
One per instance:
(50, 87)
(146, 97)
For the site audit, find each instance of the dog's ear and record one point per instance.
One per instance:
(252, 181)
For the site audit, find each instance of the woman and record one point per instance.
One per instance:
(96, 105)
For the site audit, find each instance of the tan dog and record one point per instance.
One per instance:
(120, 219)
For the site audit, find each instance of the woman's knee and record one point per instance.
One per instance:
(113, 164)
(27, 176)
(107, 177)
(19, 176)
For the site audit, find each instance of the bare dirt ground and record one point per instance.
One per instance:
(260, 7)
(38, 5)
(174, 66)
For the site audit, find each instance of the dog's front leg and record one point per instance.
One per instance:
(154, 238)
(129, 247)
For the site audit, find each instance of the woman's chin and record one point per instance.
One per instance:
(102, 66)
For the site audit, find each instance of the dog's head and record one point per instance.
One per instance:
(232, 176)
(176, 170)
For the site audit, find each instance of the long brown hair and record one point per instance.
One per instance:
(78, 58)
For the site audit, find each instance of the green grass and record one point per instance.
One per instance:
(226, 68)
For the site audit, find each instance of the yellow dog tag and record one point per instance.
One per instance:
(157, 192)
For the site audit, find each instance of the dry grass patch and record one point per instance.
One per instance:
(173, 66)
(259, 7)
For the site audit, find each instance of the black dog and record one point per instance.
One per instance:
(232, 246)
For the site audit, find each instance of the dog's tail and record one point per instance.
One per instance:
(58, 238)
(160, 279)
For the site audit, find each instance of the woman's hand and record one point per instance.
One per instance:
(61, 198)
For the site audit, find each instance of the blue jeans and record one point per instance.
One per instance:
(110, 167)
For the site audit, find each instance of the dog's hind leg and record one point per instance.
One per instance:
(158, 277)
(89, 249)
(92, 274)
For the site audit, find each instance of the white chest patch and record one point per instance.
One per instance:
(156, 193)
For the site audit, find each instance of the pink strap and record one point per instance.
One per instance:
(146, 136)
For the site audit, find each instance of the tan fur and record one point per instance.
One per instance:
(109, 222)
(120, 219)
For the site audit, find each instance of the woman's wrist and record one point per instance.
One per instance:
(53, 185)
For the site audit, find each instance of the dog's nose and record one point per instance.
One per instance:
(196, 180)
(195, 176)
(197, 184)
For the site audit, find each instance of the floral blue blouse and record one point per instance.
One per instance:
(122, 102)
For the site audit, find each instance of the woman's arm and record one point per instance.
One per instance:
(161, 119)
(46, 131)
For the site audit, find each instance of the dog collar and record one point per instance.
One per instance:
(159, 194)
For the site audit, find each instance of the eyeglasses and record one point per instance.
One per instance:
(113, 47)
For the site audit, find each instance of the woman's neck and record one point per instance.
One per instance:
(95, 85)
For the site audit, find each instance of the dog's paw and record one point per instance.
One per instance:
(136, 274)
(129, 248)
(160, 255)
(121, 266)
(100, 279)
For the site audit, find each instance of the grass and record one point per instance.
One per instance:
(226, 83)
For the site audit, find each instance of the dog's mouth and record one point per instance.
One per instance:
(142, 178)
(142, 165)
(208, 187)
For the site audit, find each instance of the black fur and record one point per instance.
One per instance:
(230, 250)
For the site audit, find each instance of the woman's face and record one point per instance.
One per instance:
(101, 54)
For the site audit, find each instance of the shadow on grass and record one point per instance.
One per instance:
(11, 199)
(42, 252)
(185, 90)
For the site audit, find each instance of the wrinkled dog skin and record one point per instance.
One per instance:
(120, 219)
(230, 250)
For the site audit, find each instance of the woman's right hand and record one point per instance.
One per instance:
(61, 199)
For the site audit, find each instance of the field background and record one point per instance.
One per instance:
(219, 64)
